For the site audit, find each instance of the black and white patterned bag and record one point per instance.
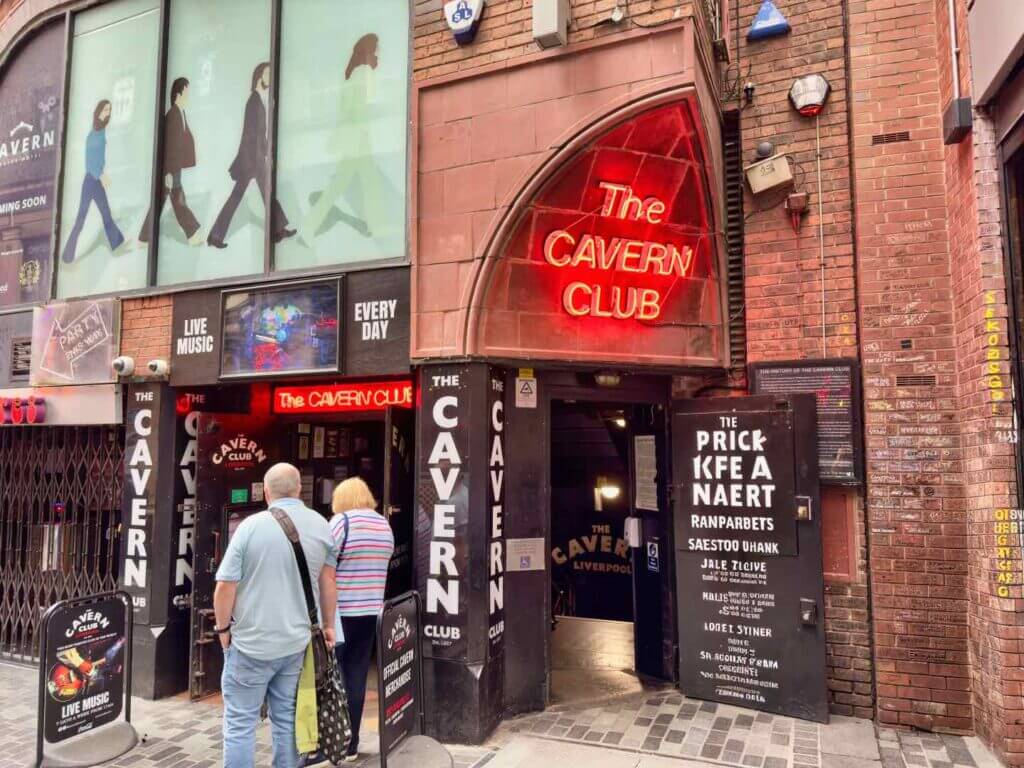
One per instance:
(333, 720)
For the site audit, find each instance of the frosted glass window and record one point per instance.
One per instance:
(215, 128)
(108, 148)
(342, 131)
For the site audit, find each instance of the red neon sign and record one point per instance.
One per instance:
(343, 398)
(618, 254)
(22, 410)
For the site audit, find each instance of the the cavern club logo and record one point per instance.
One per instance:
(88, 622)
(400, 634)
(239, 452)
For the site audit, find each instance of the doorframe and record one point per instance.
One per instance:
(632, 390)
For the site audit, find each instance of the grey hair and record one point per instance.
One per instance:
(283, 481)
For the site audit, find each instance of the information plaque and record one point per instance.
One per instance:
(836, 386)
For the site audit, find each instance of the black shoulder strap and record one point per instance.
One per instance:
(300, 558)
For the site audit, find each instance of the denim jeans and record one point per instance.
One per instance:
(93, 191)
(245, 682)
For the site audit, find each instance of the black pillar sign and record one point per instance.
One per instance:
(748, 554)
(140, 497)
(399, 671)
(84, 667)
(443, 512)
(495, 506)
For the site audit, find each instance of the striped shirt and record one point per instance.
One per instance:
(362, 571)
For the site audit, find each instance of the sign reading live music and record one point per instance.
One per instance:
(616, 257)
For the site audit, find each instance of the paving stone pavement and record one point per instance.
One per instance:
(648, 729)
(176, 733)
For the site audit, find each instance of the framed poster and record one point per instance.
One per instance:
(288, 329)
(835, 383)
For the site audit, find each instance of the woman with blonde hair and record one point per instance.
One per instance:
(365, 545)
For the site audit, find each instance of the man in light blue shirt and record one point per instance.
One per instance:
(262, 619)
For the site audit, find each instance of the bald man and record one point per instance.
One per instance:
(262, 620)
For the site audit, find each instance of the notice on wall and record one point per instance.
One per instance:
(84, 667)
(524, 555)
(737, 536)
(645, 461)
(836, 385)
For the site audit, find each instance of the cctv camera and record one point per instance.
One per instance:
(123, 366)
(158, 367)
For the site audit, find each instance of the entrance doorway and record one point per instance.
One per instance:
(236, 450)
(603, 636)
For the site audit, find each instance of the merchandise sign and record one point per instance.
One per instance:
(343, 398)
(18, 411)
(84, 665)
(399, 672)
(75, 342)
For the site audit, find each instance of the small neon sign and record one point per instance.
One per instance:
(343, 398)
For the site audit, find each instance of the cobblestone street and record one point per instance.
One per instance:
(649, 730)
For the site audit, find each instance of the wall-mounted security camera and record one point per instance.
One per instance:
(123, 366)
(158, 367)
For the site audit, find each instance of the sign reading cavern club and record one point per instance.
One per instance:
(617, 256)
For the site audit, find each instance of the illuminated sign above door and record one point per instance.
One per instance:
(343, 398)
(617, 256)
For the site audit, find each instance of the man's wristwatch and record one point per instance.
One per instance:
(221, 630)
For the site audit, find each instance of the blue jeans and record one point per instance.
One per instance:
(245, 683)
(92, 192)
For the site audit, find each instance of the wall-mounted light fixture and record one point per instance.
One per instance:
(607, 379)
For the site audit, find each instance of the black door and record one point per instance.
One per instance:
(234, 452)
(750, 586)
(651, 560)
(397, 505)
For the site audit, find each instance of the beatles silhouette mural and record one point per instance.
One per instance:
(351, 145)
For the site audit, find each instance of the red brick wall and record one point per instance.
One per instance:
(916, 495)
(506, 30)
(783, 271)
(979, 286)
(146, 329)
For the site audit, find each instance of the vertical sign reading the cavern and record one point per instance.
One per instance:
(442, 519)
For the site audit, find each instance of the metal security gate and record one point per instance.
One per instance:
(60, 519)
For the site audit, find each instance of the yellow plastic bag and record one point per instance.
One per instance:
(307, 733)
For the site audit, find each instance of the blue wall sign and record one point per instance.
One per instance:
(463, 17)
(769, 22)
